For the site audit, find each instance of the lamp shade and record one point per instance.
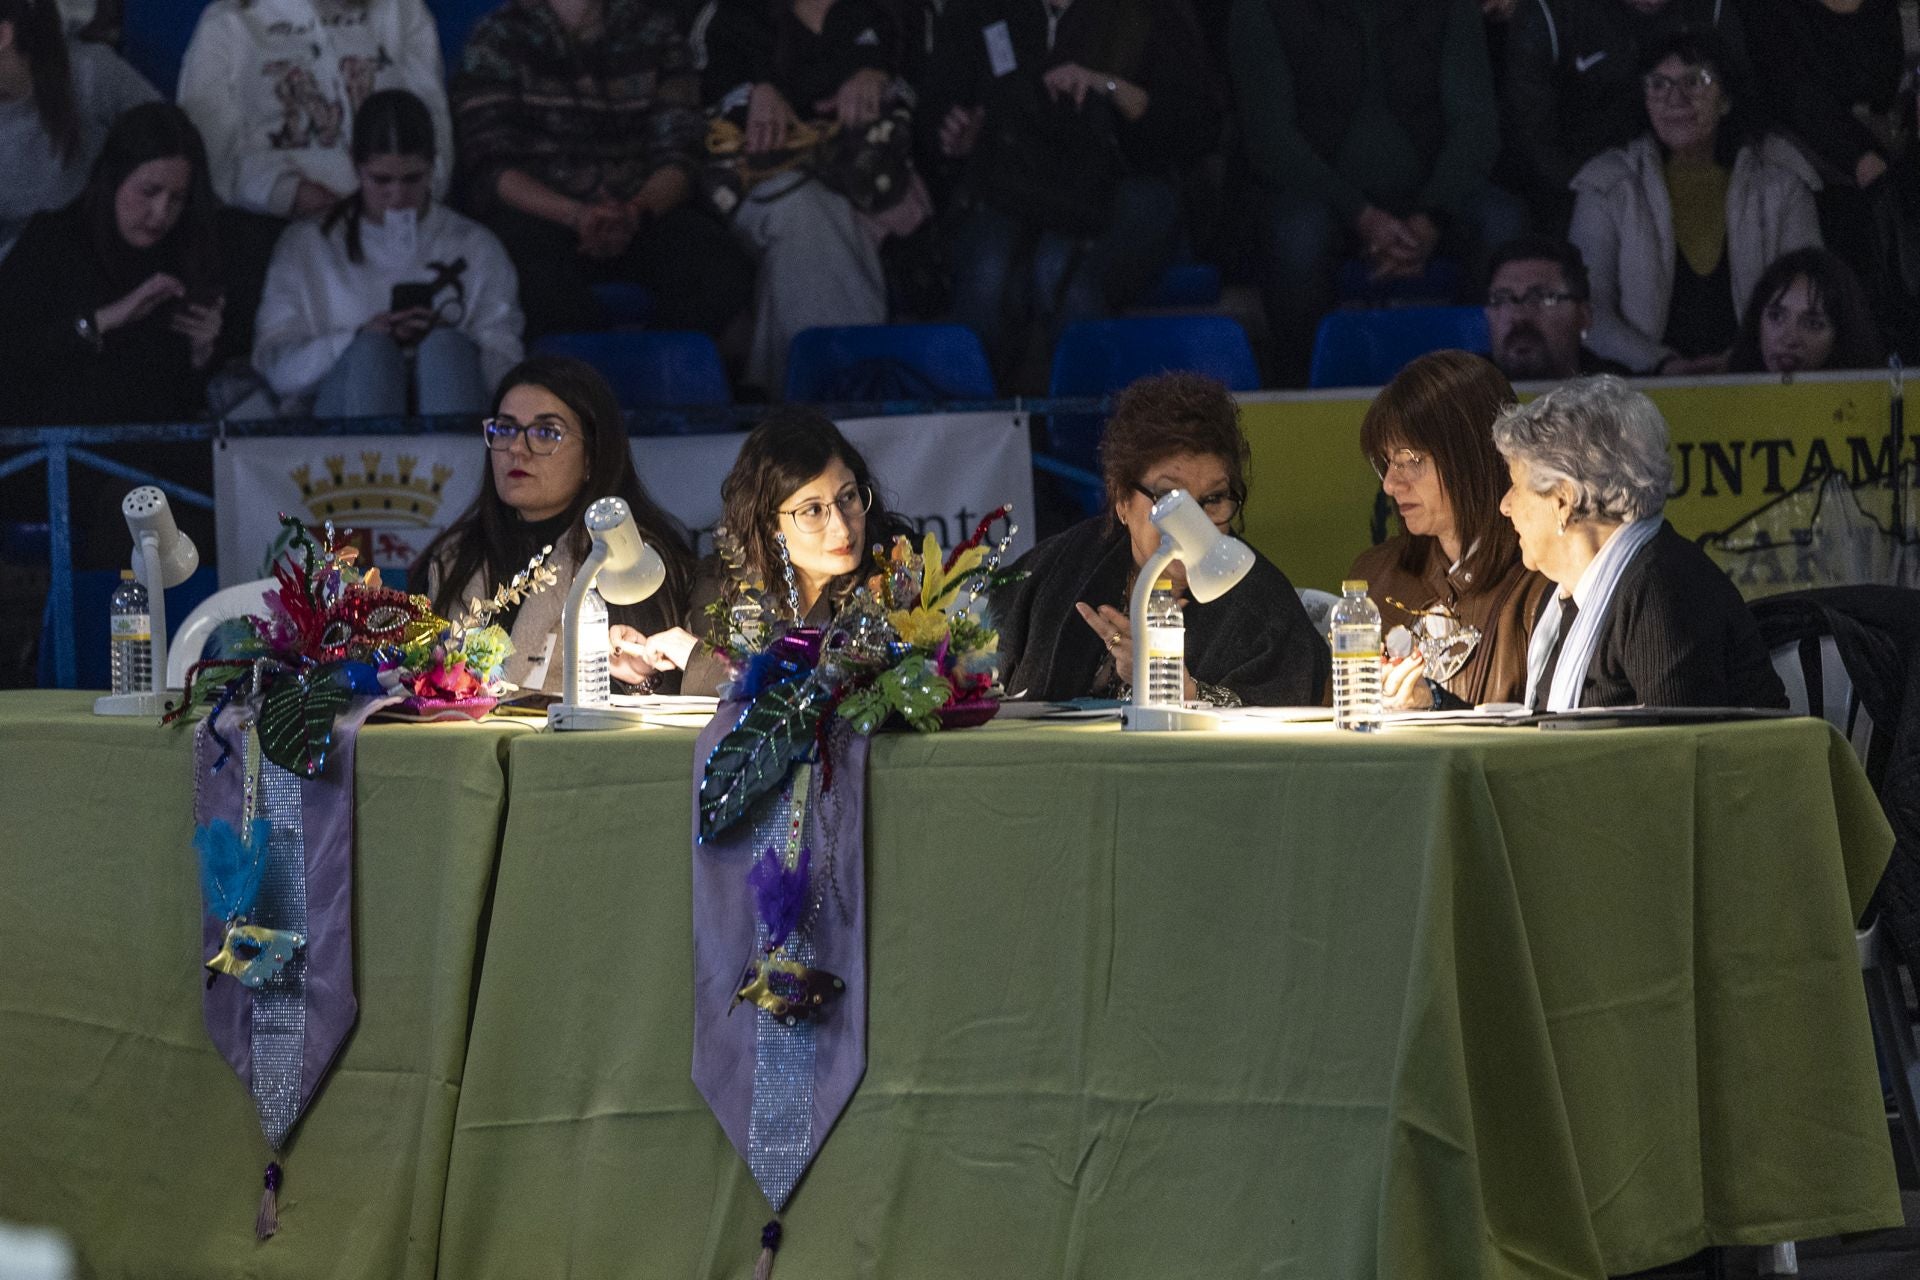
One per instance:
(1215, 561)
(632, 570)
(148, 515)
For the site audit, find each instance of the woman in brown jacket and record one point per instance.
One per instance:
(1453, 577)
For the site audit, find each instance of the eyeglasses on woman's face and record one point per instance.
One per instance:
(1689, 84)
(1221, 507)
(544, 434)
(1407, 464)
(811, 517)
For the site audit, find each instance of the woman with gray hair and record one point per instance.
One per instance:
(1641, 616)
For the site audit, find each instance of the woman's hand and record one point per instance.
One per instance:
(149, 294)
(1116, 633)
(627, 655)
(404, 327)
(857, 102)
(1071, 80)
(1689, 366)
(672, 648)
(769, 119)
(606, 229)
(1403, 684)
(960, 131)
(201, 325)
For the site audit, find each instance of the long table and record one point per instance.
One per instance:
(1433, 1003)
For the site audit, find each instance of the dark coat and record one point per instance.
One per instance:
(1255, 640)
(1678, 635)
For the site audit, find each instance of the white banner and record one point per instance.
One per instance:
(940, 471)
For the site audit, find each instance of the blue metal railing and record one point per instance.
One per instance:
(58, 448)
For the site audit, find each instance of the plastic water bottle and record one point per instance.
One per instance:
(130, 629)
(1354, 632)
(595, 652)
(1166, 647)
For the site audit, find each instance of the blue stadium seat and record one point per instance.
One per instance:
(649, 370)
(91, 591)
(456, 20)
(154, 38)
(1366, 348)
(888, 361)
(1095, 357)
(628, 306)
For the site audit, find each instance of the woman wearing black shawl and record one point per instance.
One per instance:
(111, 308)
(1063, 630)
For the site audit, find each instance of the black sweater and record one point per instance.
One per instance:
(1817, 64)
(1677, 634)
(754, 41)
(1255, 640)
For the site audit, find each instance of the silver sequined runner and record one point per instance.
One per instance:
(780, 1125)
(280, 1007)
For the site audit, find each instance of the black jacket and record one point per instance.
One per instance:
(1573, 75)
(1255, 640)
(1815, 64)
(751, 41)
(1677, 634)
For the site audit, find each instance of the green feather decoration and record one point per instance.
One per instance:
(753, 759)
(296, 718)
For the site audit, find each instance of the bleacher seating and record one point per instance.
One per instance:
(1366, 348)
(1095, 357)
(649, 370)
(884, 362)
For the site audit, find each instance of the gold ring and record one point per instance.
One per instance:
(1113, 640)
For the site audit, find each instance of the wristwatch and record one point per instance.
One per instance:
(89, 332)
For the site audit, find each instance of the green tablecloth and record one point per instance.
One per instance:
(119, 1123)
(1437, 1003)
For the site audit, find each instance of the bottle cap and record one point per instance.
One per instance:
(126, 575)
(1163, 583)
(1351, 585)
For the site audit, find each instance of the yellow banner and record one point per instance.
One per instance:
(1737, 446)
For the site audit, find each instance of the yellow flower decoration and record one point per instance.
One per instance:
(933, 579)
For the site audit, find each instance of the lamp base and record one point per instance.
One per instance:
(133, 704)
(566, 716)
(1163, 719)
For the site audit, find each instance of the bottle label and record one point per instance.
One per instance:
(1167, 642)
(1356, 642)
(131, 626)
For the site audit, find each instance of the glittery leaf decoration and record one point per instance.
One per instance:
(536, 577)
(296, 719)
(753, 758)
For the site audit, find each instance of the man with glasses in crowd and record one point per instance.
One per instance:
(1538, 312)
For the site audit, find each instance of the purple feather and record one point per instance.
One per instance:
(780, 895)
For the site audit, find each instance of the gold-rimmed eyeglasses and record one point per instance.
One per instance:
(1408, 464)
(811, 517)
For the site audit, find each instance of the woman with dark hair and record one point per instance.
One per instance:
(58, 98)
(1064, 630)
(110, 309)
(1808, 312)
(1453, 575)
(799, 479)
(391, 291)
(1678, 225)
(555, 444)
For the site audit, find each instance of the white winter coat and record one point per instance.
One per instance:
(1623, 225)
(315, 299)
(273, 85)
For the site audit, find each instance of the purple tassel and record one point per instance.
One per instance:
(769, 1245)
(780, 895)
(268, 1220)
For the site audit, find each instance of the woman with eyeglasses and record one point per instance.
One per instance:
(555, 444)
(796, 477)
(1452, 577)
(1678, 225)
(1064, 631)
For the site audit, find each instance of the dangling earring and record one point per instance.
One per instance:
(1563, 524)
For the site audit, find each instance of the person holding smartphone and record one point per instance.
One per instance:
(391, 302)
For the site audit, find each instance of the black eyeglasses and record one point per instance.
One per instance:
(543, 435)
(1220, 507)
(811, 517)
(1537, 298)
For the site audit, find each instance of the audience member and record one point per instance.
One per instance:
(1572, 81)
(1539, 309)
(274, 86)
(1071, 120)
(1369, 123)
(802, 68)
(580, 134)
(1838, 65)
(58, 98)
(1678, 225)
(1064, 630)
(110, 309)
(556, 444)
(1453, 573)
(1807, 312)
(390, 290)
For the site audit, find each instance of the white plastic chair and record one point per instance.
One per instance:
(1318, 605)
(191, 638)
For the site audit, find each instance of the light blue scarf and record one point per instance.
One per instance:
(1597, 584)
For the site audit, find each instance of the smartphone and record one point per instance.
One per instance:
(411, 294)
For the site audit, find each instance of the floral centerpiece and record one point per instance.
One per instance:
(908, 644)
(332, 632)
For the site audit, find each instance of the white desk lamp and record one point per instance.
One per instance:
(1215, 564)
(625, 570)
(162, 557)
